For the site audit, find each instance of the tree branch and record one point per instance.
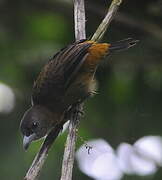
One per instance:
(79, 18)
(68, 159)
(106, 21)
(69, 152)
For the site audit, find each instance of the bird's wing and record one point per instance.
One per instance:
(59, 72)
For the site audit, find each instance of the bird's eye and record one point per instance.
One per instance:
(34, 125)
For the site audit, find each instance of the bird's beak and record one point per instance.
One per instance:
(27, 140)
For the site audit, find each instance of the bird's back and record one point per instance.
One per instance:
(58, 74)
(68, 76)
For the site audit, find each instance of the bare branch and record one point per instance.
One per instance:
(79, 19)
(69, 152)
(107, 20)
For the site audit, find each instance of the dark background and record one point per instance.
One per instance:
(128, 103)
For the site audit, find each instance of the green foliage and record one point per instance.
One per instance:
(46, 27)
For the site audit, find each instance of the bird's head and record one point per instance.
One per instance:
(35, 124)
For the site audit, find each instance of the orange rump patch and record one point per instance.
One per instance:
(96, 52)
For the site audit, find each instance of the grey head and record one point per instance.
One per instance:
(35, 124)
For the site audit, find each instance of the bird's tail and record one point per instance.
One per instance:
(122, 44)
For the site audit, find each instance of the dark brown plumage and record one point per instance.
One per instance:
(68, 78)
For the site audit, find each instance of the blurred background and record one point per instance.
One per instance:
(128, 105)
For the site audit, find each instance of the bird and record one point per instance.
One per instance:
(66, 79)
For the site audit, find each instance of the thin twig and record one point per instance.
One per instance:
(68, 160)
(79, 19)
(107, 20)
(69, 152)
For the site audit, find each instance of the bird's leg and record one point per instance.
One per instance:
(78, 110)
(73, 110)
